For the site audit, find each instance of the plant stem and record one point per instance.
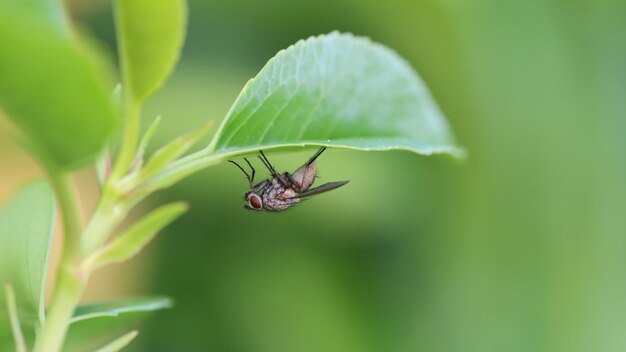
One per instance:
(68, 290)
(107, 216)
(70, 282)
(70, 212)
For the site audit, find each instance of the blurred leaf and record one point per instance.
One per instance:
(113, 309)
(336, 90)
(116, 96)
(26, 227)
(93, 325)
(103, 166)
(129, 243)
(51, 88)
(150, 36)
(16, 327)
(147, 137)
(171, 151)
(119, 343)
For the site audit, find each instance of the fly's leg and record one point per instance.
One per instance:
(319, 152)
(253, 172)
(250, 178)
(290, 178)
(260, 186)
(275, 174)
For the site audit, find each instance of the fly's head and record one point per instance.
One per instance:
(255, 202)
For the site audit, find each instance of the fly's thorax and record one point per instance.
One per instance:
(278, 198)
(273, 190)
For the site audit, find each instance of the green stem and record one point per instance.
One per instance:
(70, 282)
(107, 216)
(172, 175)
(68, 290)
(70, 212)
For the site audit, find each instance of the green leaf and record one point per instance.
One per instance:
(114, 309)
(147, 137)
(94, 325)
(52, 85)
(131, 241)
(119, 343)
(150, 37)
(16, 326)
(171, 151)
(336, 90)
(26, 227)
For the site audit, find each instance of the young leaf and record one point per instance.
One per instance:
(336, 90)
(147, 136)
(52, 88)
(119, 343)
(16, 327)
(114, 309)
(94, 325)
(131, 241)
(103, 166)
(172, 151)
(150, 36)
(26, 227)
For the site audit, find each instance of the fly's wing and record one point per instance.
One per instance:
(321, 189)
(303, 178)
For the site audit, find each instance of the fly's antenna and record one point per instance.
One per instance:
(319, 152)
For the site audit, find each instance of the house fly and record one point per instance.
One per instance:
(283, 190)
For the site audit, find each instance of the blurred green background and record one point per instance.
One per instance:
(521, 248)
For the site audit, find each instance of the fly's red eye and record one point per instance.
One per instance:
(255, 201)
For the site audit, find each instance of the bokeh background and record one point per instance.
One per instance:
(520, 248)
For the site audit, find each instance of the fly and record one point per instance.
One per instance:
(284, 190)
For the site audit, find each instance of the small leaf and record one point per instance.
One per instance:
(16, 327)
(116, 96)
(147, 136)
(171, 151)
(336, 90)
(150, 36)
(114, 309)
(26, 227)
(103, 166)
(119, 343)
(131, 241)
(94, 325)
(52, 86)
